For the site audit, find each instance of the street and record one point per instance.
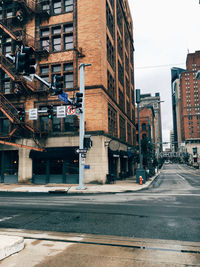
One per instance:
(158, 226)
(168, 210)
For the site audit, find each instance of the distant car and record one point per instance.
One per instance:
(167, 162)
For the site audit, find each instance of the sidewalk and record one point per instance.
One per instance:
(119, 186)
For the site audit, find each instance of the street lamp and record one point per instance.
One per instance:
(140, 171)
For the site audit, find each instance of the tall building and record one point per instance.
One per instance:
(63, 34)
(176, 106)
(155, 103)
(188, 103)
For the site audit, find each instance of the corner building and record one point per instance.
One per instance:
(64, 34)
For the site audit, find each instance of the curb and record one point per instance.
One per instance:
(67, 191)
(10, 245)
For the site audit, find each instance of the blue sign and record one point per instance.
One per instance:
(87, 167)
(63, 97)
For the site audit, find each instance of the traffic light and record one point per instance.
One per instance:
(25, 61)
(79, 100)
(87, 142)
(50, 111)
(21, 114)
(57, 84)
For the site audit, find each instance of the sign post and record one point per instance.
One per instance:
(82, 127)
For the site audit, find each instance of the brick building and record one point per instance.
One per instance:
(187, 104)
(64, 34)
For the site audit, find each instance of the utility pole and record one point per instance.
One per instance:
(82, 127)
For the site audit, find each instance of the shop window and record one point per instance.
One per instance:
(56, 124)
(43, 120)
(39, 167)
(11, 163)
(70, 124)
(56, 166)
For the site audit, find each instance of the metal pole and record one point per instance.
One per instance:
(82, 127)
(139, 140)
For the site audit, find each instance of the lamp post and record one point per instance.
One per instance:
(140, 171)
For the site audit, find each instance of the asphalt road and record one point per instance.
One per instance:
(168, 210)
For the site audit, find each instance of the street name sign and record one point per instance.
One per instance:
(33, 114)
(82, 151)
(63, 97)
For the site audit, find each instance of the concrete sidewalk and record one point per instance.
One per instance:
(10, 245)
(119, 186)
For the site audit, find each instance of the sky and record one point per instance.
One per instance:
(164, 33)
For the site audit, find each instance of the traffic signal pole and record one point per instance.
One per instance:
(82, 127)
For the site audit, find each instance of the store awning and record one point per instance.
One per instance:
(54, 153)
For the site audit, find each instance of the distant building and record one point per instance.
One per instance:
(186, 104)
(154, 102)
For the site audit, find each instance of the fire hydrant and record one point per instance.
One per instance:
(140, 180)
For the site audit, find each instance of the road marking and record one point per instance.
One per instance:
(181, 176)
(7, 218)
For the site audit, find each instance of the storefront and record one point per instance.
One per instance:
(9, 166)
(55, 165)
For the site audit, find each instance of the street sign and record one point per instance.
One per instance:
(82, 151)
(71, 110)
(63, 97)
(33, 114)
(61, 112)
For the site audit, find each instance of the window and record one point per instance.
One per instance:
(56, 43)
(68, 5)
(122, 128)
(57, 6)
(111, 85)
(112, 121)
(56, 68)
(44, 70)
(68, 41)
(68, 66)
(68, 28)
(69, 80)
(144, 127)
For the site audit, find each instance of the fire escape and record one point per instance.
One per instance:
(12, 27)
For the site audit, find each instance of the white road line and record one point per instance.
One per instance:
(181, 176)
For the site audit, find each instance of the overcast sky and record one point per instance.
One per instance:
(164, 32)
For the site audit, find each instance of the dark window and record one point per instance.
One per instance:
(120, 73)
(122, 128)
(121, 100)
(112, 121)
(129, 133)
(110, 53)
(111, 85)
(119, 17)
(109, 19)
(144, 127)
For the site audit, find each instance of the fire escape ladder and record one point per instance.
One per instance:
(12, 114)
(9, 68)
(9, 110)
(34, 6)
(9, 32)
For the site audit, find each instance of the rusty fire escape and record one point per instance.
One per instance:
(21, 38)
